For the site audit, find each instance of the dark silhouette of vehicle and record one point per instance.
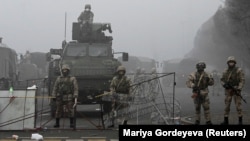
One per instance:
(8, 69)
(91, 60)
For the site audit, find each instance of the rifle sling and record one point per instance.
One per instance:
(200, 79)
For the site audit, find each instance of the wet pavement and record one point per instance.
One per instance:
(217, 119)
(88, 128)
(63, 135)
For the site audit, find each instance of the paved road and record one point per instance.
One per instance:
(216, 106)
(89, 125)
(61, 135)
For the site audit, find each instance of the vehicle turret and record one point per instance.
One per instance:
(94, 32)
(90, 57)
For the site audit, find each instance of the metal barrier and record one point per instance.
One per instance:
(31, 109)
(17, 109)
(148, 100)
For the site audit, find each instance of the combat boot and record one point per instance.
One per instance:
(240, 120)
(125, 122)
(197, 122)
(225, 122)
(72, 124)
(209, 123)
(112, 124)
(57, 125)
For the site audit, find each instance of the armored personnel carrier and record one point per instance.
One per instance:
(8, 63)
(91, 60)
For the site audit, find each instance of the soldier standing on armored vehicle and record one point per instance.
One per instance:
(120, 88)
(86, 16)
(86, 19)
(233, 80)
(199, 82)
(65, 92)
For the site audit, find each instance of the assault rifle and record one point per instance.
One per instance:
(104, 94)
(236, 92)
(196, 92)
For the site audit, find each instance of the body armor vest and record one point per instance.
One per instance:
(203, 82)
(66, 86)
(232, 77)
(122, 85)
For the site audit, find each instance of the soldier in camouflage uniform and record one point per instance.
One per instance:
(86, 19)
(86, 16)
(120, 85)
(65, 92)
(233, 80)
(199, 82)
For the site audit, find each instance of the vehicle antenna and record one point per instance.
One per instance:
(65, 26)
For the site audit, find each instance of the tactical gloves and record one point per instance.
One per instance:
(227, 86)
(207, 79)
(238, 91)
(196, 89)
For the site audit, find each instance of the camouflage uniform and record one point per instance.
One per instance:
(233, 78)
(200, 81)
(120, 86)
(86, 19)
(86, 16)
(65, 91)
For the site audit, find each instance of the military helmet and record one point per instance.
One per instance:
(87, 6)
(201, 65)
(65, 66)
(231, 59)
(121, 68)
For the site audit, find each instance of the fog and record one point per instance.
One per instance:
(159, 29)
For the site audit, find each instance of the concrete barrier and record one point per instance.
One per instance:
(17, 109)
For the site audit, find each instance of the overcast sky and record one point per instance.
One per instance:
(160, 29)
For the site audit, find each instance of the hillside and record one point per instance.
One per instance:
(226, 33)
